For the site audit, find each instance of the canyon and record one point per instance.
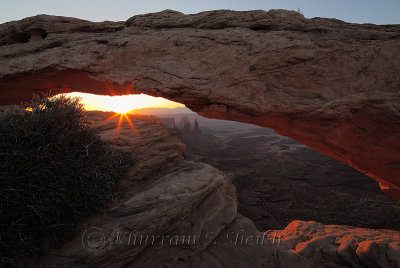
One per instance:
(278, 180)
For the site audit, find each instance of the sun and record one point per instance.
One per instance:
(121, 105)
(122, 109)
(122, 117)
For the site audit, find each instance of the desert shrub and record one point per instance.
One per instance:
(54, 170)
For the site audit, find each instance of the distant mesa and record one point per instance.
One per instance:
(162, 111)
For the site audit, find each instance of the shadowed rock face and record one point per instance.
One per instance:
(328, 84)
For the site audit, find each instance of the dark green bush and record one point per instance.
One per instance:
(54, 170)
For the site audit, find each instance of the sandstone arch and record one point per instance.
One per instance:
(328, 84)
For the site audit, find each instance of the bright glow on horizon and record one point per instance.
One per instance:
(122, 104)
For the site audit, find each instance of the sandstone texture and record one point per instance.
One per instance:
(161, 207)
(340, 246)
(331, 85)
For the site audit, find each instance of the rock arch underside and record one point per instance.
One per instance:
(331, 85)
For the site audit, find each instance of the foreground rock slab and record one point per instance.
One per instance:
(340, 246)
(331, 85)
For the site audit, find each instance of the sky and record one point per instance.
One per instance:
(356, 11)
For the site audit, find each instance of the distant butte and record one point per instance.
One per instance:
(331, 85)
